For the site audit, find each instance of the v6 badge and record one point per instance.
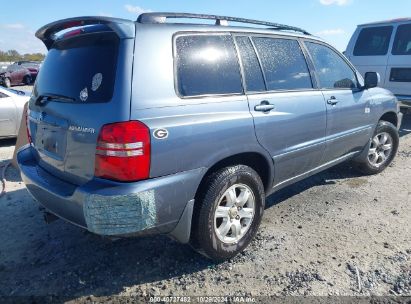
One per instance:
(160, 133)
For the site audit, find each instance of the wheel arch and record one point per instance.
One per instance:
(391, 117)
(255, 160)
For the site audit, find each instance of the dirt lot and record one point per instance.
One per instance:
(337, 233)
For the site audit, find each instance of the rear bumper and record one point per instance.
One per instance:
(110, 208)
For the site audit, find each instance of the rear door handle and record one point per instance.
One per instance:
(264, 106)
(332, 101)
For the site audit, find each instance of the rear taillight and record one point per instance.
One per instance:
(123, 152)
(27, 117)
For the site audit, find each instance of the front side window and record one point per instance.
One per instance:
(333, 72)
(283, 63)
(207, 65)
(402, 42)
(373, 41)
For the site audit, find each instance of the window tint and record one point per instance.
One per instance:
(207, 65)
(402, 42)
(332, 70)
(252, 71)
(283, 63)
(373, 41)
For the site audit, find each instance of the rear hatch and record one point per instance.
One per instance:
(83, 84)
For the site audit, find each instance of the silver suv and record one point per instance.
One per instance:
(183, 129)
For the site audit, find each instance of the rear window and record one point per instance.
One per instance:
(373, 41)
(402, 42)
(207, 65)
(81, 67)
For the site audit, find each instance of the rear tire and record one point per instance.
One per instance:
(381, 150)
(228, 212)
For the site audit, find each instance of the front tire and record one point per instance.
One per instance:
(228, 212)
(381, 150)
(27, 80)
(7, 82)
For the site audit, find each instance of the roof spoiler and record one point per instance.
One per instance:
(124, 28)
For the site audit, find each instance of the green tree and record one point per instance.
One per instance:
(13, 55)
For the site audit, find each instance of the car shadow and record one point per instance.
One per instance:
(327, 177)
(406, 125)
(7, 142)
(11, 174)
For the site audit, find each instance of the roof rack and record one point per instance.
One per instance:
(220, 20)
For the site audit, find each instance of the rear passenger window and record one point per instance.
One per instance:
(283, 63)
(253, 76)
(207, 65)
(333, 72)
(373, 41)
(402, 42)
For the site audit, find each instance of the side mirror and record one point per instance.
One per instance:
(371, 80)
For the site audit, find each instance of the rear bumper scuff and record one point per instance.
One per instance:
(111, 208)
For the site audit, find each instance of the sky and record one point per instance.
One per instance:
(333, 20)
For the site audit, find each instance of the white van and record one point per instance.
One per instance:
(385, 47)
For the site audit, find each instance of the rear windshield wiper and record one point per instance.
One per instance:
(43, 99)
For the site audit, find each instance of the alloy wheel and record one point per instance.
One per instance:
(380, 149)
(234, 213)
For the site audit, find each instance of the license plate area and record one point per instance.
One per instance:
(51, 140)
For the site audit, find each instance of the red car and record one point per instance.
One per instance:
(14, 75)
(32, 66)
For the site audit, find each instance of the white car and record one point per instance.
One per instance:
(385, 47)
(11, 111)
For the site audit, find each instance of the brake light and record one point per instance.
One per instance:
(72, 33)
(72, 24)
(123, 152)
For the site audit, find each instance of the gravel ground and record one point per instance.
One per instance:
(336, 233)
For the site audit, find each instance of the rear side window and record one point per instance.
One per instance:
(207, 65)
(402, 42)
(84, 64)
(283, 63)
(333, 72)
(373, 41)
(254, 80)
